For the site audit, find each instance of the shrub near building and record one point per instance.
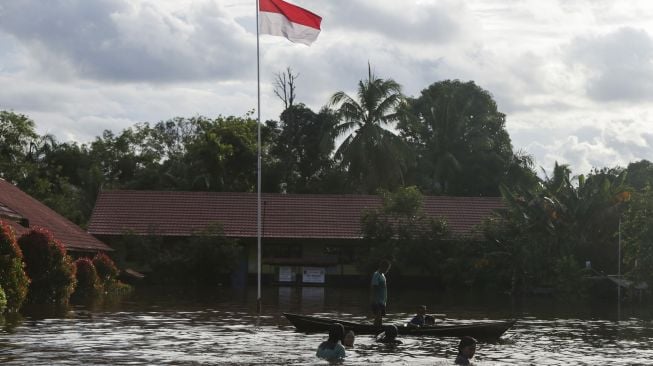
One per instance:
(50, 268)
(108, 274)
(88, 282)
(3, 301)
(13, 278)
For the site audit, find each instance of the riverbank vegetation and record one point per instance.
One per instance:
(558, 228)
(50, 269)
(37, 272)
(13, 278)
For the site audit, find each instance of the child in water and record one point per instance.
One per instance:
(349, 339)
(332, 349)
(466, 350)
(389, 335)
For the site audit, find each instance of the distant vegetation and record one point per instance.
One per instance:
(448, 140)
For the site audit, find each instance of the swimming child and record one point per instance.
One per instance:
(466, 350)
(349, 339)
(389, 335)
(332, 349)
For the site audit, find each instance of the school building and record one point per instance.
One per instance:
(307, 238)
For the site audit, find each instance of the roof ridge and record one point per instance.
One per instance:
(173, 192)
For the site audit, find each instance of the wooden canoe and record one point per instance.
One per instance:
(480, 330)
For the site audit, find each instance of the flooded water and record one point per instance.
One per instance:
(221, 327)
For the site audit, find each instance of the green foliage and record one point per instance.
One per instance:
(39, 166)
(568, 280)
(637, 233)
(13, 278)
(17, 138)
(108, 272)
(205, 258)
(401, 232)
(88, 282)
(640, 175)
(301, 152)
(51, 270)
(105, 267)
(3, 301)
(549, 229)
(201, 260)
(373, 156)
(459, 139)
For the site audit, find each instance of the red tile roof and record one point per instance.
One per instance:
(174, 213)
(17, 204)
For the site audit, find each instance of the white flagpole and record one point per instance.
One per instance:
(258, 170)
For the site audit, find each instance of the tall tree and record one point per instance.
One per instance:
(459, 138)
(17, 139)
(302, 149)
(372, 154)
(640, 174)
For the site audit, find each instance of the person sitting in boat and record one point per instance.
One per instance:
(349, 339)
(421, 319)
(332, 349)
(389, 335)
(466, 350)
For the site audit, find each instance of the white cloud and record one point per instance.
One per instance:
(618, 65)
(120, 40)
(573, 76)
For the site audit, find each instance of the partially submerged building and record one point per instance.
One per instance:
(23, 212)
(307, 238)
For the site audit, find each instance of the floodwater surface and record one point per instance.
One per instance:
(221, 327)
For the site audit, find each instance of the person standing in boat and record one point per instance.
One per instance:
(379, 292)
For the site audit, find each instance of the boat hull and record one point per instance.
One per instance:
(481, 330)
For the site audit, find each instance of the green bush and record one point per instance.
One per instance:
(50, 268)
(105, 267)
(88, 281)
(3, 301)
(108, 272)
(204, 259)
(13, 278)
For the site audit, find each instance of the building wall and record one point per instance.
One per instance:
(296, 256)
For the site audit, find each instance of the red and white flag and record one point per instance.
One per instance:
(279, 18)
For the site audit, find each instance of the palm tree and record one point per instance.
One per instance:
(372, 154)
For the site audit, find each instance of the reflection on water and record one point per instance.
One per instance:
(222, 328)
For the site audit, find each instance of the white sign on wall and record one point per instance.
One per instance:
(285, 274)
(313, 274)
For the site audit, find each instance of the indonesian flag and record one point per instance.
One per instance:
(279, 18)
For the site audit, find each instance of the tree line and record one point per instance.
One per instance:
(448, 140)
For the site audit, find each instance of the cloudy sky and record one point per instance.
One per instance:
(574, 77)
